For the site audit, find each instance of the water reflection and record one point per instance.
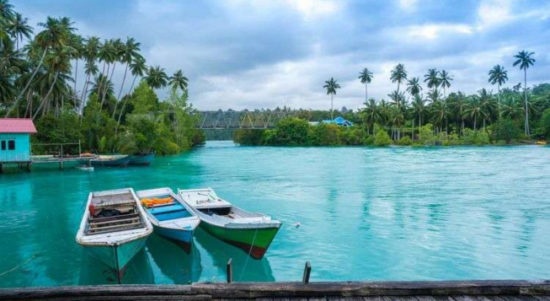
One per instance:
(245, 268)
(173, 261)
(138, 271)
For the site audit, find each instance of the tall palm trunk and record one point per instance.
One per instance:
(331, 105)
(28, 82)
(43, 101)
(124, 105)
(498, 99)
(525, 99)
(120, 91)
(83, 95)
(475, 122)
(366, 93)
(75, 79)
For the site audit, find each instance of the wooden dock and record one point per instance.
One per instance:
(364, 291)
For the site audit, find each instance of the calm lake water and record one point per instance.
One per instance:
(365, 214)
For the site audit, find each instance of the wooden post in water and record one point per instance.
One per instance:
(307, 272)
(229, 271)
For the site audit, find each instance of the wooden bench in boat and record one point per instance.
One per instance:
(127, 220)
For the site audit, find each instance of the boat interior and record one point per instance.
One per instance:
(164, 208)
(113, 213)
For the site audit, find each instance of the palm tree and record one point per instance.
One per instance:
(365, 77)
(56, 34)
(18, 28)
(90, 54)
(473, 110)
(331, 86)
(131, 52)
(6, 10)
(371, 114)
(487, 104)
(498, 75)
(525, 60)
(458, 104)
(445, 81)
(419, 107)
(178, 80)
(413, 86)
(138, 69)
(398, 74)
(432, 79)
(156, 77)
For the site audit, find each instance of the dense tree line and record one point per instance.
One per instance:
(39, 77)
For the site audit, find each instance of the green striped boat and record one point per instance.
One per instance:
(114, 228)
(251, 232)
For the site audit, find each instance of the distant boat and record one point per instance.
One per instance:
(251, 232)
(170, 216)
(110, 160)
(114, 227)
(85, 168)
(142, 159)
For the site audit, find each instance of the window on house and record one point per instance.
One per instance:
(11, 144)
(3, 144)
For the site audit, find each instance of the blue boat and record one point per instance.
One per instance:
(110, 161)
(142, 159)
(170, 216)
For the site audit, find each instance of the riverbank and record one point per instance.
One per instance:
(299, 132)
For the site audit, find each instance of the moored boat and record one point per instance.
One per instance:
(141, 159)
(251, 232)
(114, 227)
(170, 216)
(110, 160)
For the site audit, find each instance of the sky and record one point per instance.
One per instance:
(272, 53)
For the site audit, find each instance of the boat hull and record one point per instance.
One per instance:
(143, 160)
(117, 257)
(182, 237)
(119, 162)
(254, 241)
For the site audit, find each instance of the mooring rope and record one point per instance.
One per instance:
(19, 265)
(248, 257)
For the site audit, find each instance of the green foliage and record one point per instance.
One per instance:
(382, 138)
(291, 132)
(354, 135)
(326, 134)
(369, 140)
(545, 124)
(405, 140)
(472, 137)
(426, 135)
(249, 137)
(506, 130)
(144, 99)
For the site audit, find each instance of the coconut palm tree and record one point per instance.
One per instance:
(365, 77)
(138, 69)
(445, 81)
(331, 86)
(498, 75)
(398, 74)
(371, 115)
(131, 52)
(413, 86)
(18, 28)
(178, 81)
(432, 79)
(156, 77)
(524, 60)
(473, 110)
(6, 10)
(458, 104)
(419, 108)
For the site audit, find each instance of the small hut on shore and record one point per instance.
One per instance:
(15, 141)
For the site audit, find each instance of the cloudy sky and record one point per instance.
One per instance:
(268, 53)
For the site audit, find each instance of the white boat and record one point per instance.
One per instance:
(170, 216)
(114, 227)
(251, 232)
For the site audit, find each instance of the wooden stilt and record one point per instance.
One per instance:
(229, 270)
(307, 272)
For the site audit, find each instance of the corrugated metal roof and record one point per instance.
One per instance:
(17, 125)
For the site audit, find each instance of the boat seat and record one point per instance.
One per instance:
(166, 209)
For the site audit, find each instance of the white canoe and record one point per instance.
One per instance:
(117, 229)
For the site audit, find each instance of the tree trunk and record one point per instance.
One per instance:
(120, 91)
(366, 94)
(331, 106)
(462, 127)
(525, 99)
(75, 78)
(42, 102)
(475, 122)
(124, 105)
(28, 82)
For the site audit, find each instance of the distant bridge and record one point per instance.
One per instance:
(221, 120)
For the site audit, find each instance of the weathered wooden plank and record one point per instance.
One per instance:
(440, 291)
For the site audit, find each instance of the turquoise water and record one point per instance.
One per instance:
(365, 214)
